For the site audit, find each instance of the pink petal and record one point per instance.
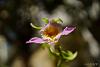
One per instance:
(58, 36)
(35, 40)
(68, 30)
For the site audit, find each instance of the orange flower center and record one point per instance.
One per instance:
(52, 30)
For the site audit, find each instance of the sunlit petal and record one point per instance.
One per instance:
(68, 30)
(35, 40)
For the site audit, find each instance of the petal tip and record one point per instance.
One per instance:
(68, 30)
(27, 42)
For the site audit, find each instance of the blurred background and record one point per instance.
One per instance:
(15, 30)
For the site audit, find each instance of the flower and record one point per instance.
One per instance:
(51, 33)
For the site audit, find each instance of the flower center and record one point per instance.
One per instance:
(51, 30)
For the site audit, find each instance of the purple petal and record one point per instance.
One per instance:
(68, 30)
(43, 28)
(58, 36)
(35, 40)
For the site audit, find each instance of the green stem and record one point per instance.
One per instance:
(59, 63)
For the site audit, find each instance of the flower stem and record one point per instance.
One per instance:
(60, 60)
(59, 63)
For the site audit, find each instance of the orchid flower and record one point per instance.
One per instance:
(51, 33)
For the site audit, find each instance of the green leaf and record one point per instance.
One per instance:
(36, 27)
(57, 20)
(69, 55)
(45, 20)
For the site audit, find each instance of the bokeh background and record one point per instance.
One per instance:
(15, 30)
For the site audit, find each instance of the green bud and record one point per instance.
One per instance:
(57, 20)
(45, 20)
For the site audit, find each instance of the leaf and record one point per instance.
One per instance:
(45, 20)
(69, 55)
(36, 27)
